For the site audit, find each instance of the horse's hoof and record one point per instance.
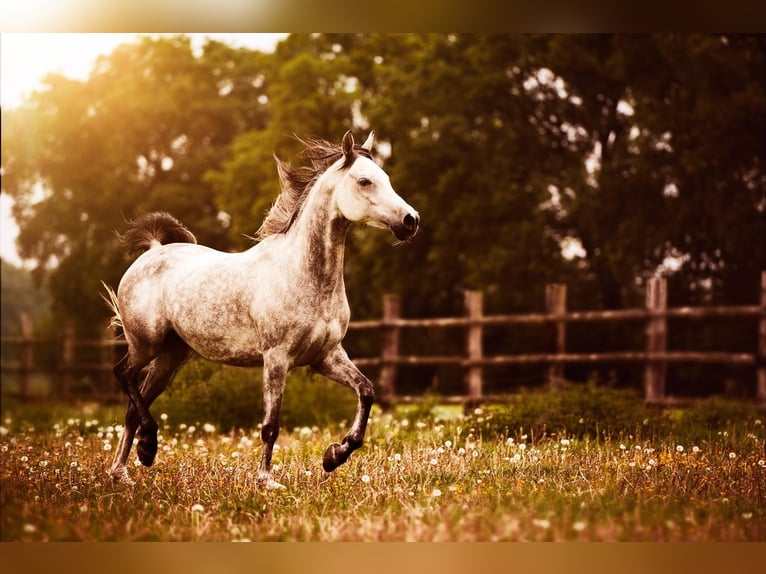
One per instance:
(272, 484)
(147, 450)
(332, 459)
(120, 475)
(267, 483)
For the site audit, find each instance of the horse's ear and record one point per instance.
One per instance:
(348, 145)
(368, 142)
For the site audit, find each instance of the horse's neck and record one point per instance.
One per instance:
(320, 234)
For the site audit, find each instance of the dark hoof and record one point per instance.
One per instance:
(332, 459)
(147, 449)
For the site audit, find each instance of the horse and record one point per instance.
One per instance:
(281, 303)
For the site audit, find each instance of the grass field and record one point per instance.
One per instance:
(423, 475)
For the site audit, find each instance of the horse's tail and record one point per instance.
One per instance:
(110, 298)
(154, 229)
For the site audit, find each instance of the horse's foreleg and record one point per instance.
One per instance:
(274, 373)
(338, 367)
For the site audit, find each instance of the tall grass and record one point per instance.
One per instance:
(424, 474)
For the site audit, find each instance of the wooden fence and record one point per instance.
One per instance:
(655, 357)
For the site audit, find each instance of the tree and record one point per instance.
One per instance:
(81, 157)
(676, 124)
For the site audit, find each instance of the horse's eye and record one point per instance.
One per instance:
(363, 181)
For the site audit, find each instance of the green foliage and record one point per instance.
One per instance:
(231, 398)
(587, 410)
(510, 146)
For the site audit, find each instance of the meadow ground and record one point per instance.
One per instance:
(423, 475)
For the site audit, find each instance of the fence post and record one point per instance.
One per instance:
(556, 304)
(474, 304)
(760, 393)
(390, 350)
(66, 359)
(656, 340)
(25, 355)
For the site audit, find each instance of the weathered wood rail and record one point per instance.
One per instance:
(655, 357)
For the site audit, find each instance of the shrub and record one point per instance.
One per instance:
(231, 398)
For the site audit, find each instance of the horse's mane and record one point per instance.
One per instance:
(297, 182)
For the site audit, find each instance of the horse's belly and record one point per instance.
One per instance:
(229, 347)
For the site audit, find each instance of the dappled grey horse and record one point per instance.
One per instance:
(283, 301)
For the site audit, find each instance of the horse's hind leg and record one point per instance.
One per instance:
(338, 367)
(161, 371)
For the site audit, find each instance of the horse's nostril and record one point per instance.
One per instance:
(411, 222)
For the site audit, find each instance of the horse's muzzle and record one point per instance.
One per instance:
(407, 227)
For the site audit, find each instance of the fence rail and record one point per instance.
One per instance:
(655, 357)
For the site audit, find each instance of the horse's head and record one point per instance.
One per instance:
(364, 193)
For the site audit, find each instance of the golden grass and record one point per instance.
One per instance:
(432, 479)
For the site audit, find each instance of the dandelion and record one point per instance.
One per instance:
(433, 462)
(107, 446)
(522, 446)
(306, 432)
(436, 493)
(398, 457)
(509, 441)
(679, 448)
(366, 478)
(565, 442)
(695, 449)
(762, 463)
(448, 443)
(30, 528)
(209, 428)
(652, 462)
(198, 508)
(541, 523)
(191, 429)
(747, 515)
(3, 431)
(579, 526)
(732, 455)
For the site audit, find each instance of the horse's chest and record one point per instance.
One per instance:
(315, 340)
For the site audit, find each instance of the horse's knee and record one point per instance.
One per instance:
(269, 433)
(366, 393)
